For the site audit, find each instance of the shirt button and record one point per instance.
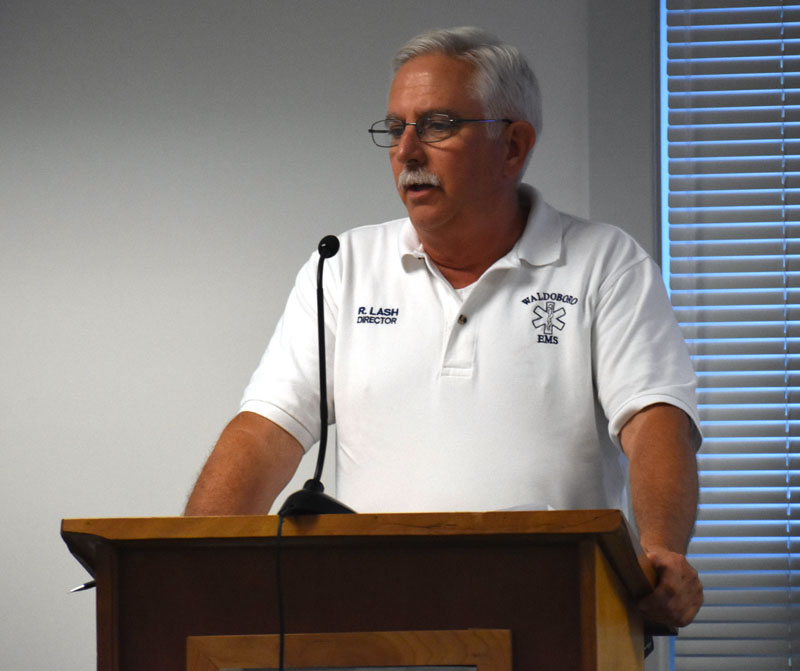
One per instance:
(462, 319)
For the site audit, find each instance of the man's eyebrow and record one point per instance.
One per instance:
(435, 110)
(449, 112)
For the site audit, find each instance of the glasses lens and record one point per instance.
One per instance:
(387, 133)
(394, 130)
(435, 128)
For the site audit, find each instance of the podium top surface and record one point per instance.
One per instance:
(607, 528)
(552, 522)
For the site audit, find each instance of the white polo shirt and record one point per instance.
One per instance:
(509, 393)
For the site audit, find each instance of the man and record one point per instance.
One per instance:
(487, 352)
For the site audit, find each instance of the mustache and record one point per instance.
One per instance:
(413, 176)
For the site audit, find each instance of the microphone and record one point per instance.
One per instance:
(312, 499)
(327, 248)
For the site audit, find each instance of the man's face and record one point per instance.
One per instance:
(468, 165)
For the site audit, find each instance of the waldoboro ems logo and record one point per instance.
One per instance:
(549, 313)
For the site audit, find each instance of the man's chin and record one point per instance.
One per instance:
(426, 216)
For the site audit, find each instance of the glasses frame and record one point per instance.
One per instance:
(420, 129)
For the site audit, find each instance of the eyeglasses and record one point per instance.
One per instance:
(430, 128)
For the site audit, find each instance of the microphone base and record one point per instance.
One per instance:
(308, 501)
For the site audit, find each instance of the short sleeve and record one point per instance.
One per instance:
(285, 386)
(640, 356)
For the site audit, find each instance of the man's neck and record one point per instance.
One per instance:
(463, 253)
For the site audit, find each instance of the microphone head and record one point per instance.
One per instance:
(328, 246)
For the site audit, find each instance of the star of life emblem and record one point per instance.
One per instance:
(547, 319)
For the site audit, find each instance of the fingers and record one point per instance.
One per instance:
(678, 594)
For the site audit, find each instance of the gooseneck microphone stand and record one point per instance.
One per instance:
(312, 499)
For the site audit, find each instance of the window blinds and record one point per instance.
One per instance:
(731, 148)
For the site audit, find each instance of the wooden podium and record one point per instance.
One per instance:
(552, 591)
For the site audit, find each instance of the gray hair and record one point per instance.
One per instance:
(504, 82)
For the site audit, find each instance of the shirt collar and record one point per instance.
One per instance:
(539, 244)
(409, 241)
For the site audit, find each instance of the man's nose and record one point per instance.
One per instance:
(409, 147)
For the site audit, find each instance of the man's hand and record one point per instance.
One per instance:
(678, 594)
(660, 443)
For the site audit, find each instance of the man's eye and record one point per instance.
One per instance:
(395, 129)
(438, 126)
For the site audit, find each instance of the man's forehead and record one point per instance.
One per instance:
(432, 83)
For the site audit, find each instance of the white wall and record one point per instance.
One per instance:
(623, 90)
(166, 167)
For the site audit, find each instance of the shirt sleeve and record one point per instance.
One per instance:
(640, 356)
(285, 386)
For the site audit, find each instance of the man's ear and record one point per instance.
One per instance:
(520, 138)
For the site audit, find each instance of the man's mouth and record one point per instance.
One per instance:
(417, 180)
